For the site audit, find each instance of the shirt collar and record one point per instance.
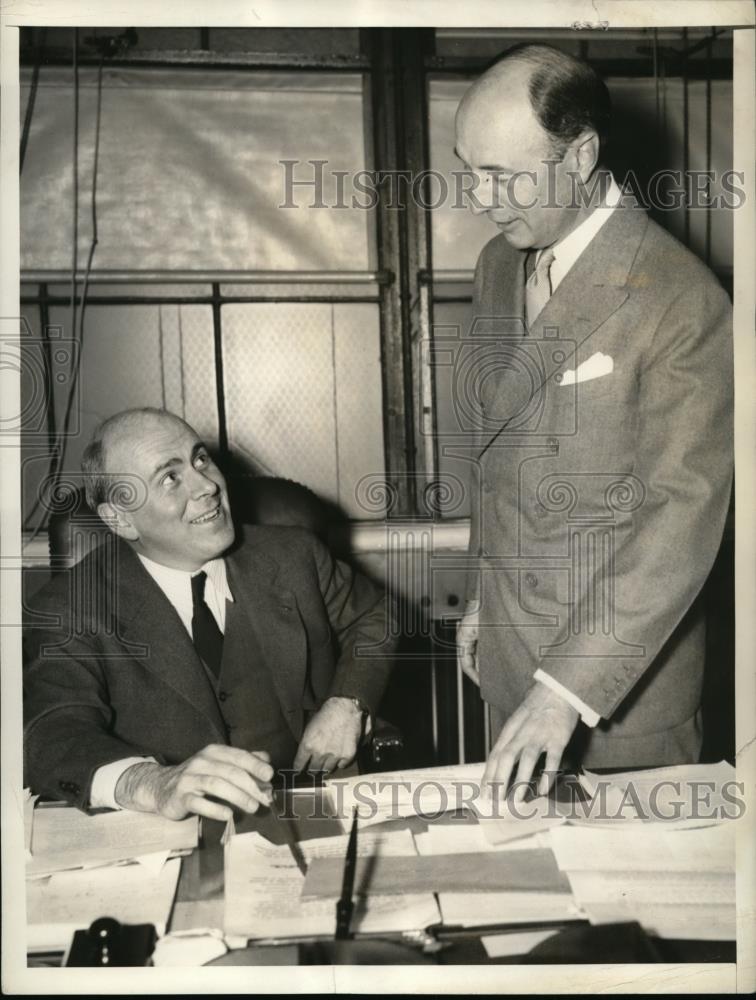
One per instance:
(568, 249)
(176, 581)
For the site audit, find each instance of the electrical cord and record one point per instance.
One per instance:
(59, 452)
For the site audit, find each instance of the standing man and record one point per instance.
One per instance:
(179, 664)
(604, 439)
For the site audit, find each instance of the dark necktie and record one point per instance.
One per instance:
(207, 637)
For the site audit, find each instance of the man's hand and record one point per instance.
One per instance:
(234, 776)
(331, 737)
(543, 722)
(467, 642)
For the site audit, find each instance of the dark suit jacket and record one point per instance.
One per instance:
(601, 505)
(111, 672)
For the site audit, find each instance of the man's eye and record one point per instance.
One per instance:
(202, 459)
(170, 479)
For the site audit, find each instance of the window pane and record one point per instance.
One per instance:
(303, 394)
(190, 174)
(132, 356)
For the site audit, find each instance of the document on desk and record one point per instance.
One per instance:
(263, 896)
(397, 794)
(69, 901)
(480, 909)
(683, 796)
(469, 838)
(64, 838)
(494, 871)
(677, 883)
(645, 847)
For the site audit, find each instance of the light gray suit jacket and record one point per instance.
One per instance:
(599, 506)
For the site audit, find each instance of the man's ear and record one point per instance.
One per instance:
(587, 154)
(118, 521)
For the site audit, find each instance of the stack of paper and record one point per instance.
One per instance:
(71, 900)
(477, 909)
(62, 838)
(677, 883)
(79, 868)
(264, 890)
(683, 796)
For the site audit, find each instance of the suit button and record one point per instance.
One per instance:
(222, 695)
(285, 607)
(531, 580)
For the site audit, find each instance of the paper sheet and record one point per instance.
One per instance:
(683, 796)
(467, 838)
(699, 922)
(644, 847)
(70, 901)
(188, 948)
(641, 888)
(263, 887)
(64, 838)
(518, 943)
(477, 909)
(512, 871)
(395, 794)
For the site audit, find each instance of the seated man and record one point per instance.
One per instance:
(181, 663)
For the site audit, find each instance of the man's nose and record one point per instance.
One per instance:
(202, 484)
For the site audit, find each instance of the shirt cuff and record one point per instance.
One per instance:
(589, 717)
(102, 795)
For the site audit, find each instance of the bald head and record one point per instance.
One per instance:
(153, 481)
(108, 451)
(565, 95)
(530, 130)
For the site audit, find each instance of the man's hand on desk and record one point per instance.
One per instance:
(331, 737)
(467, 642)
(544, 722)
(226, 773)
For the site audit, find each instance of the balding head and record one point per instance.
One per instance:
(113, 438)
(152, 480)
(530, 128)
(565, 95)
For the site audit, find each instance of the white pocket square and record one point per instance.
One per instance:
(594, 367)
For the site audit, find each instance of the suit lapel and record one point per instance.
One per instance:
(591, 291)
(596, 286)
(276, 632)
(145, 615)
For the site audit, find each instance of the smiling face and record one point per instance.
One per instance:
(185, 519)
(500, 140)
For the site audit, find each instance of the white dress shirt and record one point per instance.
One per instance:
(568, 249)
(177, 587)
(566, 253)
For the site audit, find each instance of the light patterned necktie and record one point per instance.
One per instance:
(538, 287)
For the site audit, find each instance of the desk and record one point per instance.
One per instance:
(202, 881)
